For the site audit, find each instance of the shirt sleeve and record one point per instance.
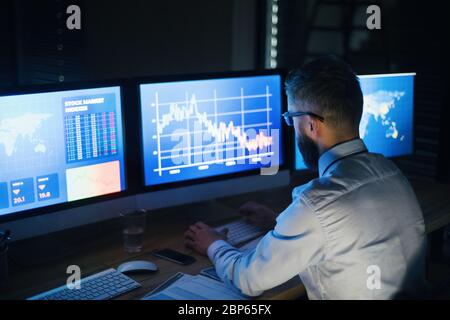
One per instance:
(296, 242)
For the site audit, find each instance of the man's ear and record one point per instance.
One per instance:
(313, 128)
(308, 125)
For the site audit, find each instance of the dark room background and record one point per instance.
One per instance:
(122, 39)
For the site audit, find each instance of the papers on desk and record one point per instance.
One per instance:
(187, 287)
(205, 286)
(211, 271)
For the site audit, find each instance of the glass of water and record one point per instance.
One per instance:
(134, 221)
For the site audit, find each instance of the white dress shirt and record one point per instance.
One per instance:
(356, 232)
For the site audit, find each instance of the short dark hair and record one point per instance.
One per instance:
(330, 88)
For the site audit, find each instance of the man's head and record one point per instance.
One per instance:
(328, 88)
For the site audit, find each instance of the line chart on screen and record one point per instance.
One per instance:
(205, 128)
(228, 136)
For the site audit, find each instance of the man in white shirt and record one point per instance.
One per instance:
(355, 232)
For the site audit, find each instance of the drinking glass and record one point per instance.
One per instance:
(134, 221)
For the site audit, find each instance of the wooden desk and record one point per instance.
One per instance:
(100, 246)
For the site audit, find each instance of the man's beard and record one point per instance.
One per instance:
(309, 150)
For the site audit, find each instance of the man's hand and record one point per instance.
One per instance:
(258, 215)
(200, 236)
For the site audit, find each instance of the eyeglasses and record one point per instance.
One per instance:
(288, 116)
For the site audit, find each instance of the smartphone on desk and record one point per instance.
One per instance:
(174, 256)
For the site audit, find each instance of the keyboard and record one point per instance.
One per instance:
(240, 231)
(100, 286)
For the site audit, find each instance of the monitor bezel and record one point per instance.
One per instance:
(57, 87)
(209, 76)
(294, 168)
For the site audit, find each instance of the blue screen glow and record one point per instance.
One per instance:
(203, 128)
(58, 147)
(387, 122)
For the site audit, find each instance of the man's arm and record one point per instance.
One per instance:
(284, 252)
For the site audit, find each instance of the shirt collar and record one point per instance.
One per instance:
(339, 151)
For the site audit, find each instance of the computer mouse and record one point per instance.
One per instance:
(137, 266)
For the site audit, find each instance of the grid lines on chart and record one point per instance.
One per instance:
(212, 122)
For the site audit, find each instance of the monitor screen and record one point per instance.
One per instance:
(58, 147)
(388, 115)
(203, 128)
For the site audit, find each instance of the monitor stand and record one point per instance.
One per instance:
(45, 250)
(55, 247)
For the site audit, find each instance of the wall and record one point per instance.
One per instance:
(119, 40)
(7, 49)
(141, 38)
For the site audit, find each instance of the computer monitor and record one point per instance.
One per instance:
(198, 131)
(58, 147)
(387, 122)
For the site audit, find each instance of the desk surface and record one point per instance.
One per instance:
(100, 246)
